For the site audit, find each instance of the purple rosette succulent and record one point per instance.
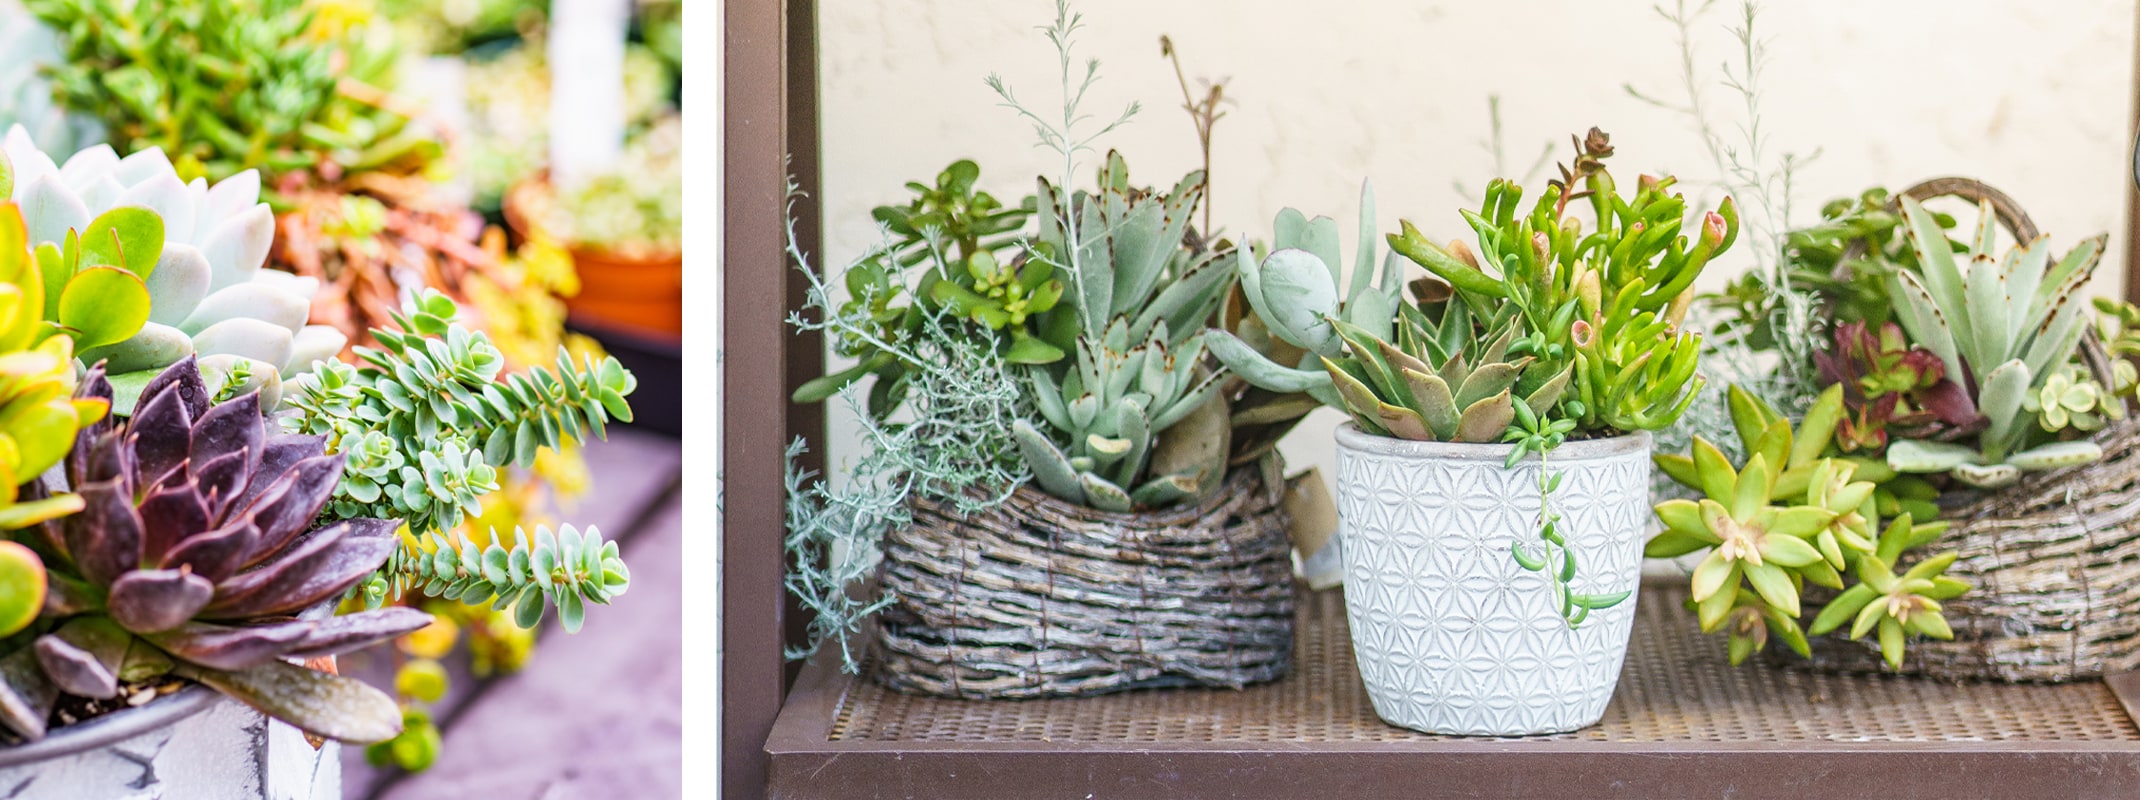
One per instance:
(196, 554)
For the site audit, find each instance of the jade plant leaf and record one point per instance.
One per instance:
(129, 237)
(103, 305)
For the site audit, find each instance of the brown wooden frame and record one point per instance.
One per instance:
(769, 96)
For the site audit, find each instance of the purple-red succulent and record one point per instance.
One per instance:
(1893, 387)
(196, 553)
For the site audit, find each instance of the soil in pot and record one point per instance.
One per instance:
(1452, 635)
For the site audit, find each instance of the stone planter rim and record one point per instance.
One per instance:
(112, 728)
(1349, 435)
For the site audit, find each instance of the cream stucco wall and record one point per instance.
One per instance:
(2030, 97)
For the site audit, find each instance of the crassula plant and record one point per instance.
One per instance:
(427, 422)
(194, 249)
(198, 553)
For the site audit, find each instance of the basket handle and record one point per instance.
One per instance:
(2016, 222)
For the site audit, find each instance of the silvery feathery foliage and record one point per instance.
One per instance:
(956, 448)
(1751, 170)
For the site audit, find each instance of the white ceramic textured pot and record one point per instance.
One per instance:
(192, 744)
(1451, 634)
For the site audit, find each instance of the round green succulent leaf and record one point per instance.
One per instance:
(103, 305)
(130, 237)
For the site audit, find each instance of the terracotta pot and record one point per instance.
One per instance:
(640, 293)
(644, 294)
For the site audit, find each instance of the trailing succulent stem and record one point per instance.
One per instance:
(566, 569)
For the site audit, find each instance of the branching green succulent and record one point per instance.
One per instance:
(1609, 302)
(2008, 323)
(973, 268)
(1795, 513)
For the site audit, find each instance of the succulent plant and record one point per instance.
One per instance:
(1433, 385)
(223, 86)
(196, 249)
(954, 216)
(1134, 318)
(1890, 386)
(427, 424)
(1609, 302)
(2006, 323)
(1793, 514)
(1274, 344)
(1897, 606)
(428, 420)
(197, 554)
(973, 273)
(2071, 400)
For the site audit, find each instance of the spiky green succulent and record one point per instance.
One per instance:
(1796, 512)
(1435, 384)
(1134, 318)
(2008, 323)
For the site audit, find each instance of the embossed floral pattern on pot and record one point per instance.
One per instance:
(1452, 635)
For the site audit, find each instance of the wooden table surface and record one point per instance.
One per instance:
(597, 714)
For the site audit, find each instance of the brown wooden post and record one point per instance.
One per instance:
(2132, 192)
(769, 98)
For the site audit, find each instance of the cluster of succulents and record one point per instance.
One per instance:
(1797, 511)
(195, 250)
(430, 418)
(957, 247)
(223, 86)
(1890, 385)
(198, 552)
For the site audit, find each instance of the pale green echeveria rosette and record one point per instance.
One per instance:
(209, 296)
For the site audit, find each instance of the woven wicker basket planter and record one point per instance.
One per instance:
(1041, 598)
(2054, 558)
(2056, 564)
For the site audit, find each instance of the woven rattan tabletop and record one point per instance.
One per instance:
(1676, 686)
(1758, 730)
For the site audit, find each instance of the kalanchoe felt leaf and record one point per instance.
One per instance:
(180, 548)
